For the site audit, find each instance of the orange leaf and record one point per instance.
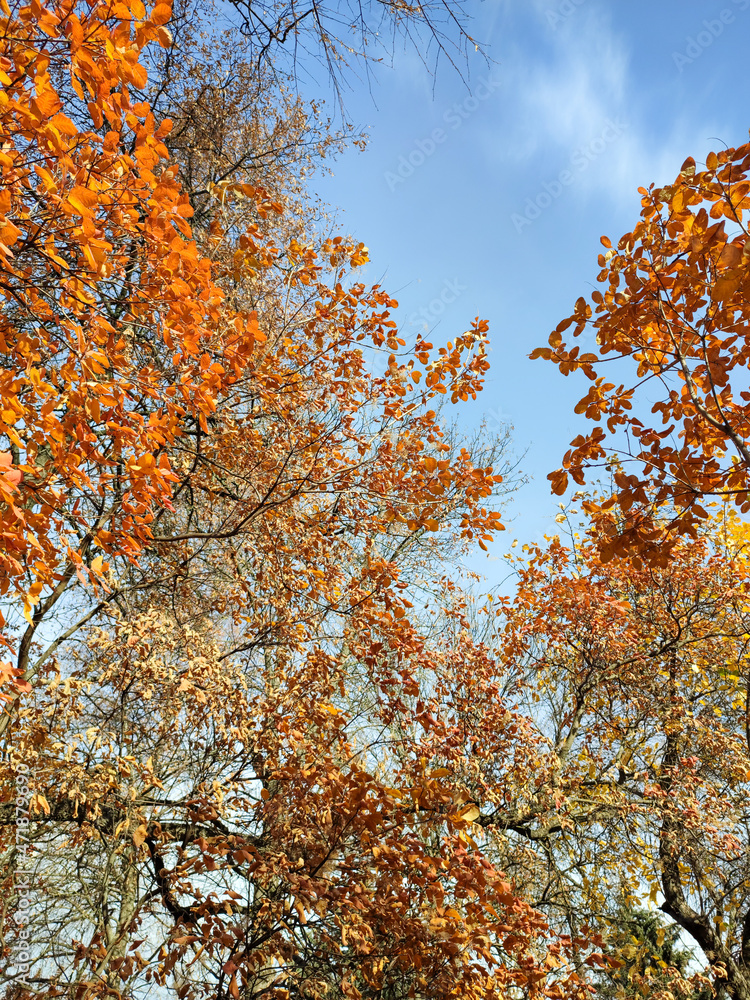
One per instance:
(161, 14)
(83, 200)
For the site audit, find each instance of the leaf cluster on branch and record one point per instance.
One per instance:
(673, 322)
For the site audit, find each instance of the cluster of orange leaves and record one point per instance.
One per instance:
(96, 258)
(115, 333)
(648, 761)
(674, 320)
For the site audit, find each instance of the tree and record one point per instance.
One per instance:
(650, 960)
(637, 678)
(121, 332)
(99, 271)
(246, 767)
(237, 763)
(283, 843)
(674, 320)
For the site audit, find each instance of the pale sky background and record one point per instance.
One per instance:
(613, 95)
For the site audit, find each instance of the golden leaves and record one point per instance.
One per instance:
(469, 813)
(162, 428)
(65, 188)
(656, 744)
(9, 476)
(139, 834)
(83, 200)
(675, 304)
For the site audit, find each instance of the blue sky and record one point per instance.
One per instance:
(488, 196)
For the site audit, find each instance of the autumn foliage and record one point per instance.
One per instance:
(111, 325)
(638, 677)
(274, 744)
(644, 625)
(114, 334)
(237, 667)
(672, 324)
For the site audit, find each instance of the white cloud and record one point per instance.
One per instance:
(580, 80)
(566, 78)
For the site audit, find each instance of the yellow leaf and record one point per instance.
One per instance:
(39, 804)
(140, 834)
(470, 813)
(82, 200)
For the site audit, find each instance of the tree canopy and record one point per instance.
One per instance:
(262, 734)
(675, 313)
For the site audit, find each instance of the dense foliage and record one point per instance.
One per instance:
(260, 736)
